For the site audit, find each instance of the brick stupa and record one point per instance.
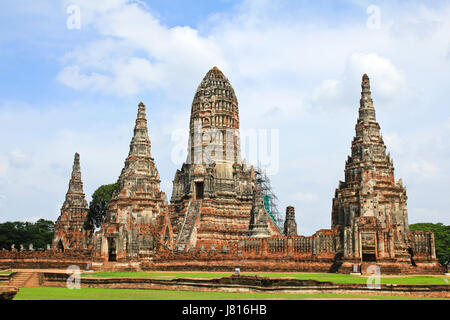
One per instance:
(69, 232)
(134, 217)
(369, 208)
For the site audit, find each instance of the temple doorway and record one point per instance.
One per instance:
(198, 190)
(111, 249)
(368, 246)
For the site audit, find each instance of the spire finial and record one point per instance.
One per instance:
(141, 111)
(365, 84)
(76, 165)
(366, 109)
(140, 143)
(75, 183)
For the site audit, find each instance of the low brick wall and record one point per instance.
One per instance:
(251, 284)
(244, 265)
(198, 261)
(43, 259)
(41, 264)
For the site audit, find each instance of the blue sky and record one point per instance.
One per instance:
(296, 67)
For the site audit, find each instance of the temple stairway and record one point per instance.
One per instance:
(185, 235)
(21, 279)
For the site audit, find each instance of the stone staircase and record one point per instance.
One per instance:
(21, 279)
(184, 237)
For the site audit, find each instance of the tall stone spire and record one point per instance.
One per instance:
(139, 163)
(370, 198)
(137, 204)
(140, 144)
(69, 230)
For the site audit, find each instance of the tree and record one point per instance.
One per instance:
(99, 205)
(441, 238)
(38, 234)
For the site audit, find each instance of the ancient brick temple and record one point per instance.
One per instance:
(69, 232)
(218, 217)
(215, 194)
(134, 225)
(369, 211)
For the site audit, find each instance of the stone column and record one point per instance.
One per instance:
(345, 244)
(380, 245)
(357, 247)
(391, 244)
(432, 245)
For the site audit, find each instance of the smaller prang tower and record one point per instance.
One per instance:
(69, 232)
(132, 226)
(369, 207)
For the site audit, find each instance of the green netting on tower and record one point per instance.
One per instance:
(267, 206)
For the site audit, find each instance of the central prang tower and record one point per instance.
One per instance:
(214, 194)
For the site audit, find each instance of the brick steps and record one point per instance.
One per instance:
(20, 279)
(188, 226)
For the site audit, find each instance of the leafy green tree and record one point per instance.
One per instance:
(99, 205)
(441, 238)
(39, 234)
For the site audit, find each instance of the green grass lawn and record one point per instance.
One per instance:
(53, 293)
(336, 278)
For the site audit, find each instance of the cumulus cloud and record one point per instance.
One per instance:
(137, 52)
(387, 81)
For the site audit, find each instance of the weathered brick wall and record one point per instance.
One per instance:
(43, 259)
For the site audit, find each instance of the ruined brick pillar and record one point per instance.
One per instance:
(290, 225)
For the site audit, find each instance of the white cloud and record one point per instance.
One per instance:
(306, 197)
(31, 219)
(424, 169)
(19, 159)
(387, 81)
(137, 52)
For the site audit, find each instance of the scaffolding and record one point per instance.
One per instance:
(270, 199)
